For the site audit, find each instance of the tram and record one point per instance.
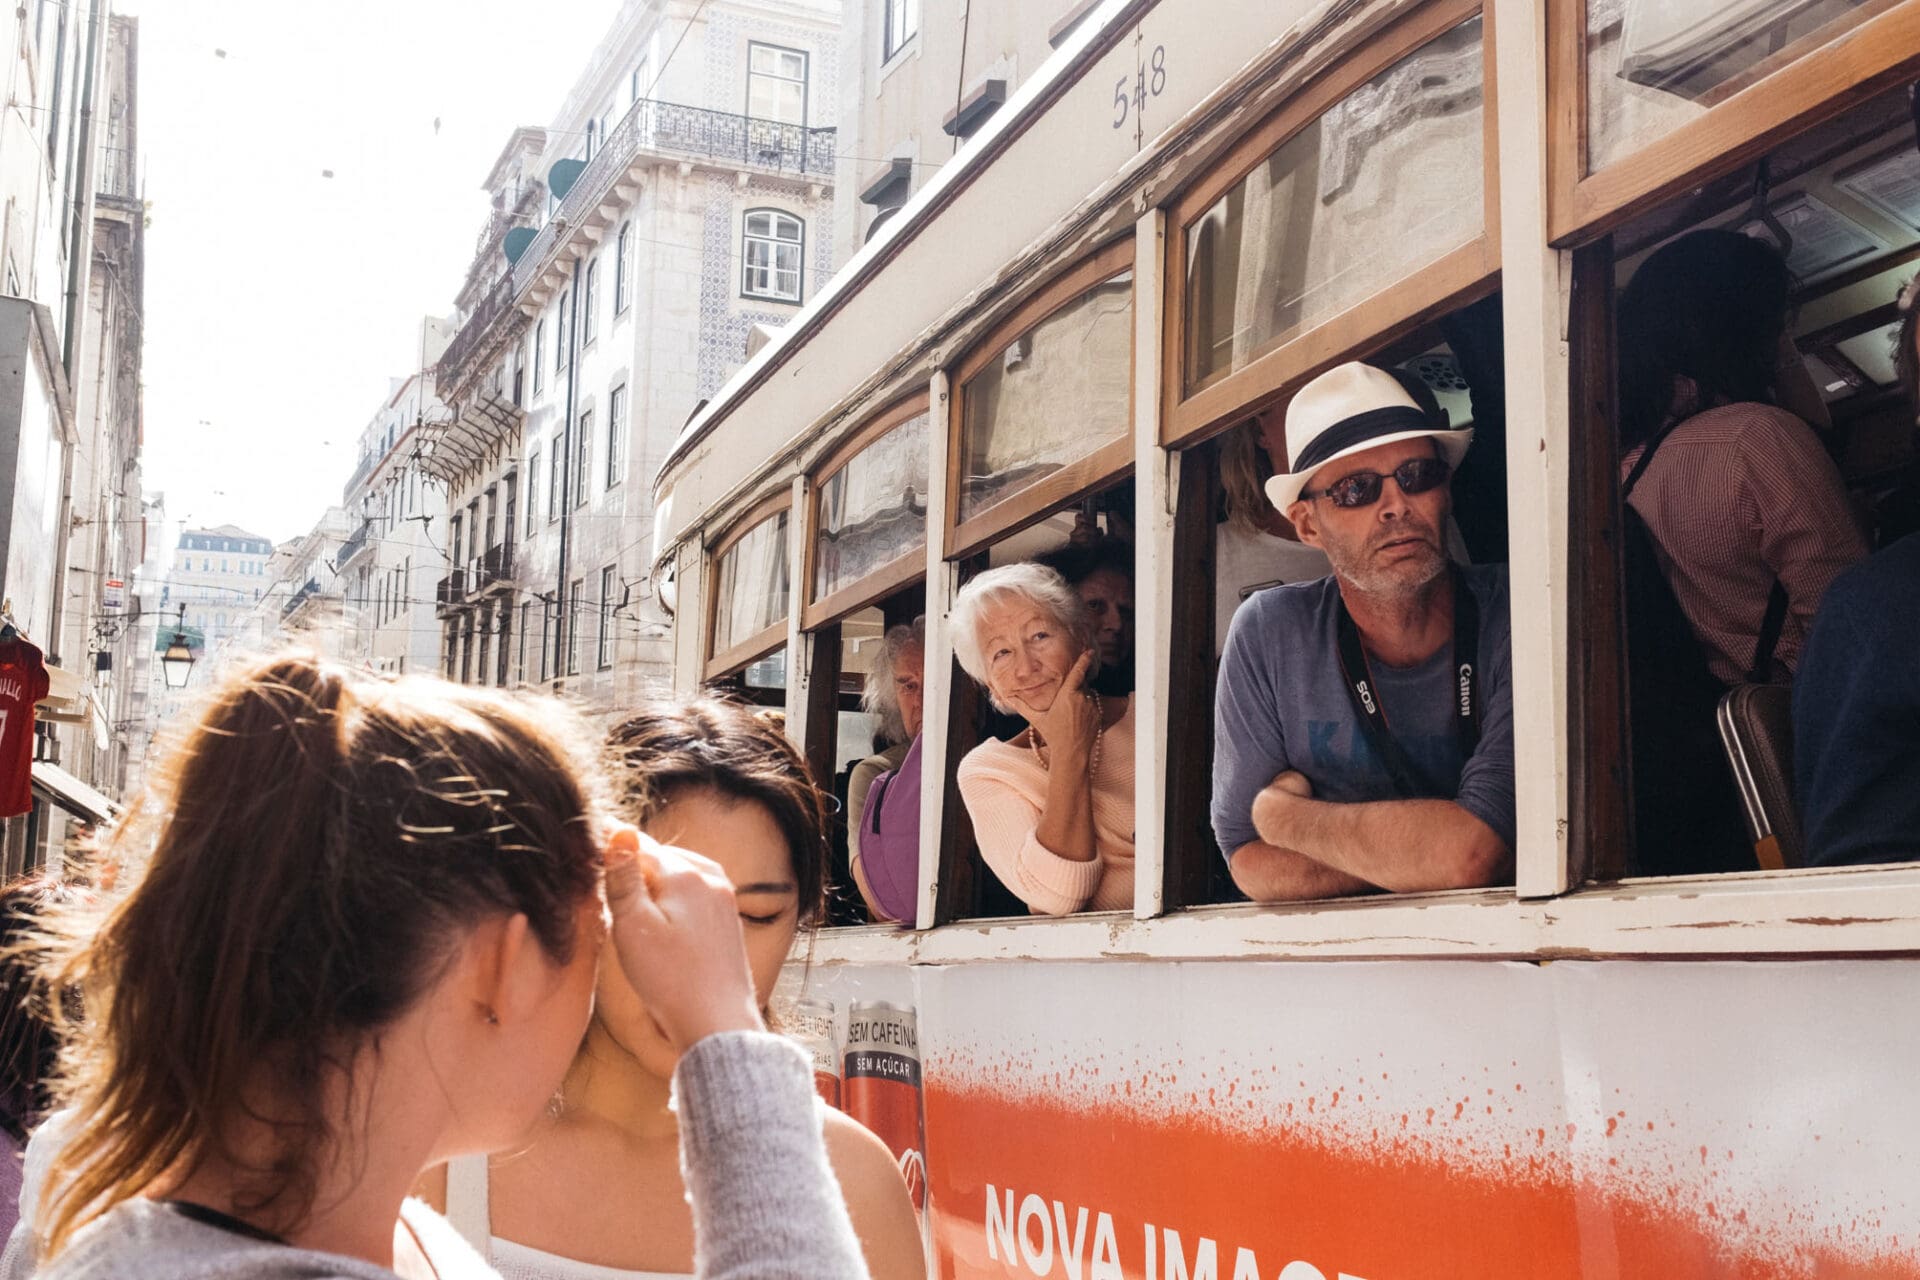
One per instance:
(1190, 210)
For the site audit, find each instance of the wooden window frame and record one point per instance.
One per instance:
(743, 652)
(1109, 462)
(903, 569)
(1809, 81)
(1443, 284)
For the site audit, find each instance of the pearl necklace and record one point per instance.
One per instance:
(1099, 733)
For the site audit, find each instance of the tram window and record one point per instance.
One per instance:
(1654, 65)
(1005, 782)
(762, 682)
(871, 512)
(1044, 403)
(1819, 464)
(1231, 544)
(854, 740)
(750, 586)
(1342, 210)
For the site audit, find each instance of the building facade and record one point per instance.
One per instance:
(917, 79)
(678, 207)
(302, 599)
(217, 576)
(71, 527)
(396, 551)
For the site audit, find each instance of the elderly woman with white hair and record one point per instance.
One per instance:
(894, 697)
(1053, 808)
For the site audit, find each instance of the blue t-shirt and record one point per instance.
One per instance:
(1282, 703)
(1856, 715)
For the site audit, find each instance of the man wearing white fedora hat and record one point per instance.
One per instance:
(1363, 726)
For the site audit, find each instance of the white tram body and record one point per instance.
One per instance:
(1579, 1076)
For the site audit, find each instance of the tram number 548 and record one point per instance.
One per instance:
(1147, 82)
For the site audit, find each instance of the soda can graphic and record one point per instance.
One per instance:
(880, 1085)
(813, 1030)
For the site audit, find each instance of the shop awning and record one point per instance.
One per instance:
(71, 794)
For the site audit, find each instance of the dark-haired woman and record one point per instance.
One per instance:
(1739, 494)
(365, 941)
(720, 779)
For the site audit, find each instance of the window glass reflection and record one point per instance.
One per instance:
(1388, 180)
(873, 510)
(750, 584)
(1050, 397)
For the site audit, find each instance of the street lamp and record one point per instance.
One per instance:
(176, 664)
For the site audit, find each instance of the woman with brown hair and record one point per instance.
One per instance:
(1254, 545)
(721, 779)
(365, 941)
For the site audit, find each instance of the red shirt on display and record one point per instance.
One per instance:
(23, 682)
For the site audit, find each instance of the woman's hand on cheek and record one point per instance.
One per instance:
(676, 934)
(1070, 722)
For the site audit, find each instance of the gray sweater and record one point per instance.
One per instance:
(766, 1205)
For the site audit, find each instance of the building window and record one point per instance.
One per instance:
(620, 246)
(484, 636)
(772, 246)
(506, 636)
(617, 435)
(637, 86)
(583, 458)
(574, 593)
(776, 83)
(526, 629)
(604, 650)
(560, 336)
(546, 636)
(533, 498)
(539, 346)
(902, 22)
(589, 288)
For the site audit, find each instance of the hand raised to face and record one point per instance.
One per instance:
(676, 930)
(1070, 723)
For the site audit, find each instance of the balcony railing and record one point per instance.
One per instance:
(676, 129)
(118, 176)
(308, 590)
(356, 542)
(495, 568)
(451, 590)
(721, 135)
(498, 301)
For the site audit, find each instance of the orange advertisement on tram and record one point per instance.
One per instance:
(1245, 1121)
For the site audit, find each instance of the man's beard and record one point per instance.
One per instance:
(1403, 579)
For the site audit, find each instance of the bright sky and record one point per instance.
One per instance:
(280, 301)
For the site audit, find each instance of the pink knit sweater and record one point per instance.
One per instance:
(1004, 787)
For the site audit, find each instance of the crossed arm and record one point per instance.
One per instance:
(1318, 849)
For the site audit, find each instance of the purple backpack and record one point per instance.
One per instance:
(890, 837)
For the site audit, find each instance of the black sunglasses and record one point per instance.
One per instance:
(1362, 488)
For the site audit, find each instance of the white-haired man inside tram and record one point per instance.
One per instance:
(1363, 723)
